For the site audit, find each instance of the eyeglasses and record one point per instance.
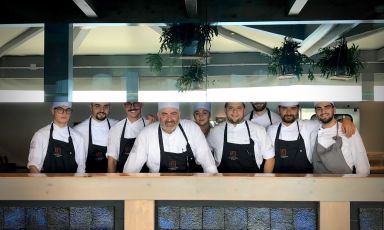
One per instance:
(61, 110)
(134, 104)
(327, 107)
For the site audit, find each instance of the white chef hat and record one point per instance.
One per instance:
(289, 103)
(317, 102)
(202, 105)
(163, 105)
(61, 104)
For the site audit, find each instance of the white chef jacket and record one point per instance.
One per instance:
(39, 145)
(353, 148)
(146, 147)
(263, 119)
(308, 131)
(100, 130)
(132, 129)
(239, 135)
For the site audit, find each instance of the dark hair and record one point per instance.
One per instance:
(226, 104)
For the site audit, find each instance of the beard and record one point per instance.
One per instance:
(259, 106)
(288, 119)
(101, 116)
(236, 121)
(326, 120)
(169, 126)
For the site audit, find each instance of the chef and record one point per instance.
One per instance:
(57, 148)
(94, 131)
(262, 115)
(239, 145)
(202, 114)
(334, 152)
(171, 145)
(122, 136)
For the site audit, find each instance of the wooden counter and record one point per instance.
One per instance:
(139, 191)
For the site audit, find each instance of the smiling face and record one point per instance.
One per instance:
(201, 117)
(169, 119)
(235, 112)
(289, 114)
(133, 110)
(325, 111)
(100, 110)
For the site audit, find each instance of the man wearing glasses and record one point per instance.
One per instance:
(123, 135)
(334, 152)
(57, 148)
(94, 131)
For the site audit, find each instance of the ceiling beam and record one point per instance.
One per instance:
(20, 39)
(336, 32)
(87, 7)
(297, 6)
(233, 36)
(380, 54)
(79, 35)
(314, 37)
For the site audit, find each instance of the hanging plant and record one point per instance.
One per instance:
(192, 78)
(288, 61)
(340, 60)
(184, 39)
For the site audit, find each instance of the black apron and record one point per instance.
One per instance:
(126, 145)
(291, 156)
(177, 162)
(238, 158)
(96, 160)
(331, 159)
(60, 157)
(269, 116)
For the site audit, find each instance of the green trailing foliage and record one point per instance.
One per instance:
(340, 60)
(288, 60)
(175, 40)
(192, 77)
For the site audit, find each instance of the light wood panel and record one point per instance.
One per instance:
(139, 214)
(261, 187)
(334, 215)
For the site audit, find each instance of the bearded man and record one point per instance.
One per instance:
(240, 146)
(94, 131)
(261, 115)
(171, 145)
(294, 139)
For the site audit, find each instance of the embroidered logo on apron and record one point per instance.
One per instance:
(233, 155)
(172, 165)
(283, 153)
(57, 152)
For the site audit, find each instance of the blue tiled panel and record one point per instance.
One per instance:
(191, 218)
(169, 217)
(213, 218)
(58, 218)
(102, 218)
(281, 219)
(235, 218)
(371, 218)
(80, 218)
(1, 217)
(37, 218)
(14, 218)
(304, 218)
(259, 219)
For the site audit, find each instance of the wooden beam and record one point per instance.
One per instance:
(20, 39)
(231, 35)
(79, 35)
